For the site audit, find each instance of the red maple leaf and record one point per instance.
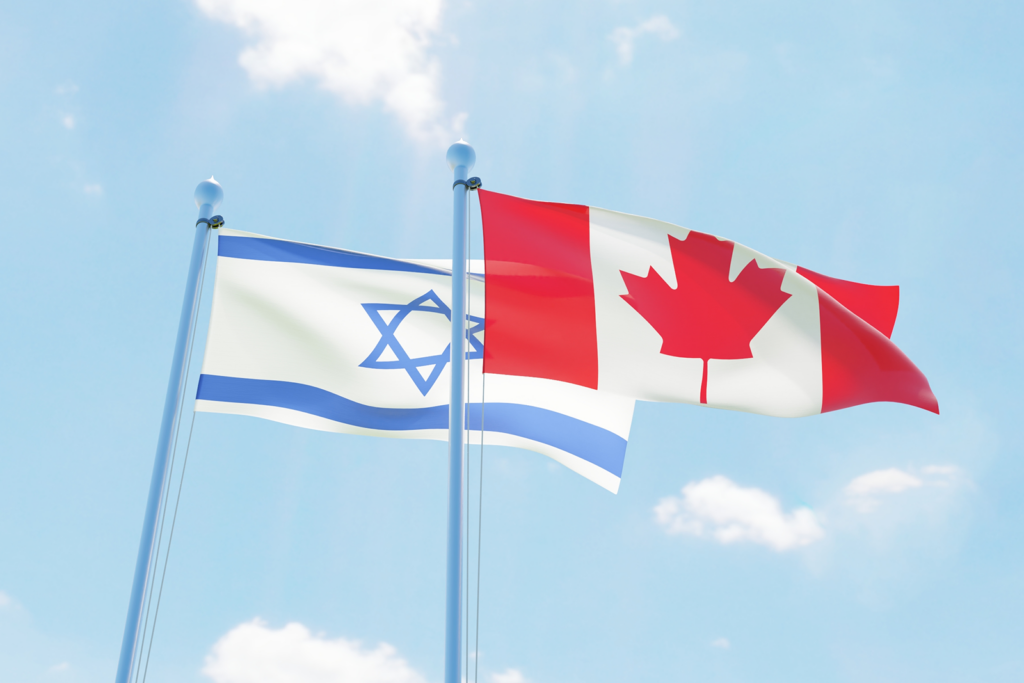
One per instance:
(706, 316)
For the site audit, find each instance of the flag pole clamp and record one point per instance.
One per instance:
(212, 222)
(471, 184)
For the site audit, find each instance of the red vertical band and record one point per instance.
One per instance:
(541, 319)
(875, 305)
(860, 365)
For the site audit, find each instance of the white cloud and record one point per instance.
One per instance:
(624, 37)
(68, 121)
(891, 480)
(5, 600)
(721, 643)
(366, 52)
(941, 474)
(254, 653)
(66, 89)
(58, 668)
(92, 188)
(863, 492)
(509, 676)
(731, 513)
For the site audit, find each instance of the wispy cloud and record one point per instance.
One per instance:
(5, 600)
(625, 37)
(721, 643)
(366, 52)
(942, 473)
(730, 514)
(866, 491)
(68, 121)
(65, 89)
(891, 480)
(59, 668)
(508, 676)
(255, 653)
(94, 189)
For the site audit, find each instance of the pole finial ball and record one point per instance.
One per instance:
(209, 192)
(461, 154)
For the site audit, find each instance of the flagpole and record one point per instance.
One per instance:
(208, 197)
(461, 158)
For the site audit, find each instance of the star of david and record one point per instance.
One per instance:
(428, 303)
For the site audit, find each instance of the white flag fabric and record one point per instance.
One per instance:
(341, 341)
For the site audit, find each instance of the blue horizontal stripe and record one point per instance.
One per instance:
(263, 249)
(599, 446)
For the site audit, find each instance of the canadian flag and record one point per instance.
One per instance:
(652, 311)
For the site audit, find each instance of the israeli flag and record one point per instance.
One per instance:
(347, 342)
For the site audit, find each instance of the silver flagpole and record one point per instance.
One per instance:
(461, 158)
(208, 197)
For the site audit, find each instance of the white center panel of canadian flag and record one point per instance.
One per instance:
(783, 378)
(629, 355)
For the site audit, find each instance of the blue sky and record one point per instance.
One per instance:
(878, 142)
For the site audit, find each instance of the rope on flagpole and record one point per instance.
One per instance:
(471, 184)
(181, 480)
(475, 184)
(151, 572)
(156, 556)
(167, 555)
(479, 523)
